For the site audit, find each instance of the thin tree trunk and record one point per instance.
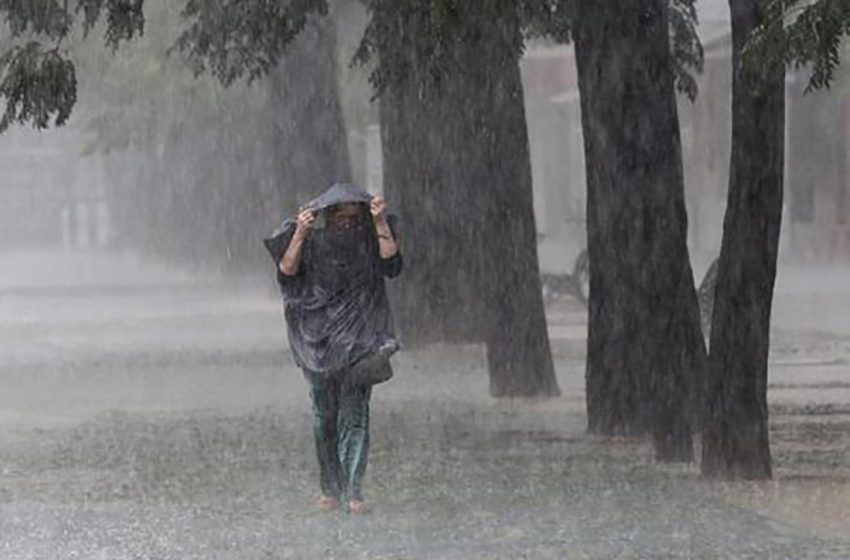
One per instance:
(735, 430)
(644, 346)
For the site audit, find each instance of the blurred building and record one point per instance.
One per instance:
(553, 114)
(817, 173)
(817, 177)
(49, 194)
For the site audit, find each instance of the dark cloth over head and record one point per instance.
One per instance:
(336, 306)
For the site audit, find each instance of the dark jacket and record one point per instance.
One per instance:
(336, 305)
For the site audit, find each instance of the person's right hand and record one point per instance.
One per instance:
(305, 222)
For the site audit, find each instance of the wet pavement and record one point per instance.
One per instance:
(144, 417)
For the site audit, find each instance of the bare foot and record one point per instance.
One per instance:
(357, 506)
(327, 503)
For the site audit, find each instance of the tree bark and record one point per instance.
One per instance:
(518, 350)
(644, 342)
(437, 301)
(457, 163)
(735, 430)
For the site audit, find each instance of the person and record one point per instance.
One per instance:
(332, 260)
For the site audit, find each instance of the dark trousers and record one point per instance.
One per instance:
(341, 431)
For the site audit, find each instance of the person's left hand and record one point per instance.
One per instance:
(378, 208)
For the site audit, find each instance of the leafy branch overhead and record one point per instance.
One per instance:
(37, 86)
(688, 53)
(37, 77)
(798, 33)
(434, 26)
(419, 38)
(236, 38)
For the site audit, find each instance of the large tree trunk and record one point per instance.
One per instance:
(437, 301)
(457, 166)
(735, 430)
(644, 343)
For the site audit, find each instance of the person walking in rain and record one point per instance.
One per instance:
(331, 264)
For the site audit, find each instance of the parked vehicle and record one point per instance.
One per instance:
(577, 286)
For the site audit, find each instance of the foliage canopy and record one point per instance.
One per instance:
(236, 39)
(37, 77)
(799, 33)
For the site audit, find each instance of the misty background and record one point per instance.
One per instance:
(149, 407)
(151, 154)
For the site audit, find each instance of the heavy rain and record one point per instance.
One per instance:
(424, 279)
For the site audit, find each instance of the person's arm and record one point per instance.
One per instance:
(291, 259)
(386, 240)
(390, 261)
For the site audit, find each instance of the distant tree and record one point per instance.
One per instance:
(186, 158)
(310, 150)
(289, 50)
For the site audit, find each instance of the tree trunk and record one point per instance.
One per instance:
(212, 188)
(457, 166)
(310, 147)
(735, 430)
(518, 350)
(305, 152)
(644, 343)
(299, 142)
(437, 301)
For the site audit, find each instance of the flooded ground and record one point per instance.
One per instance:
(145, 414)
